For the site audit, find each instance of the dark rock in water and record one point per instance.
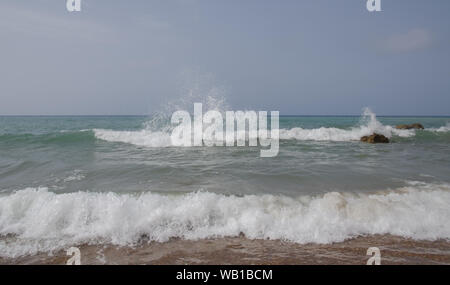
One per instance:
(375, 138)
(411, 126)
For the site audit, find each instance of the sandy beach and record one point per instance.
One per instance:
(232, 251)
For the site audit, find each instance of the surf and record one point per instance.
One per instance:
(36, 220)
(368, 125)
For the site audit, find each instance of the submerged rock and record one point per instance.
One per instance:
(410, 126)
(375, 138)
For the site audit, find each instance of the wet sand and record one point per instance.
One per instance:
(239, 250)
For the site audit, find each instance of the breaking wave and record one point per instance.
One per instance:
(369, 125)
(34, 219)
(443, 129)
(146, 138)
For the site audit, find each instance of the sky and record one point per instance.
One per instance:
(302, 57)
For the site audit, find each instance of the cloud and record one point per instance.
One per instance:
(415, 39)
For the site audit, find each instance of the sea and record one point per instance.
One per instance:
(117, 181)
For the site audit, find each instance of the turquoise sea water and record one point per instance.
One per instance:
(66, 180)
(49, 151)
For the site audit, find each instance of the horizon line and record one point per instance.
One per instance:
(289, 115)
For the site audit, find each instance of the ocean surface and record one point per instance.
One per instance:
(117, 180)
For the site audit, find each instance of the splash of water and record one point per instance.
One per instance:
(200, 89)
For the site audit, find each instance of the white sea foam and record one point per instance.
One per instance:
(368, 126)
(75, 175)
(443, 129)
(40, 220)
(146, 138)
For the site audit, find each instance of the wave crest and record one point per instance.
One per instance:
(40, 220)
(369, 125)
(146, 138)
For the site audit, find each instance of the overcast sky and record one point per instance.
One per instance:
(299, 57)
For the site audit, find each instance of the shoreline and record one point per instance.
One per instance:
(240, 250)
